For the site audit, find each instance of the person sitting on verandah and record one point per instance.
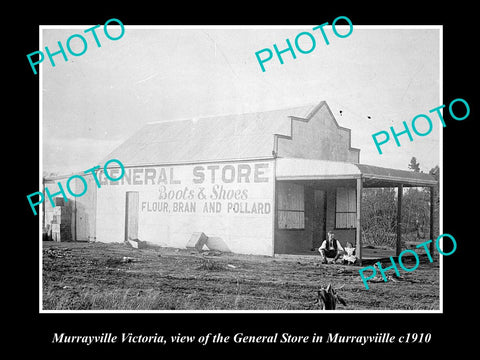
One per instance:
(330, 248)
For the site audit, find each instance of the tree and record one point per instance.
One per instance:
(414, 165)
(435, 172)
(379, 222)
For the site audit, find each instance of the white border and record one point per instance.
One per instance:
(243, 27)
(440, 190)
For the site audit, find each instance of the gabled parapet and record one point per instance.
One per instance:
(317, 136)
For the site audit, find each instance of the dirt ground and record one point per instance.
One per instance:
(98, 276)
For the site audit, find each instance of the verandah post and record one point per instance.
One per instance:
(399, 220)
(358, 245)
(432, 220)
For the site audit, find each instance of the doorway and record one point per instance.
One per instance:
(319, 217)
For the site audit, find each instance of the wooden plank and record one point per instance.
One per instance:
(217, 243)
(197, 240)
(399, 220)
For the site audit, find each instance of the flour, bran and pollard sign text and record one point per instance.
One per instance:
(206, 188)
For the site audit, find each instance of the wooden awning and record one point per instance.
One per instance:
(375, 176)
(372, 176)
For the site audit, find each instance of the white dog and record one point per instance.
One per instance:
(349, 255)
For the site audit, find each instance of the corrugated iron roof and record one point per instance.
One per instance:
(374, 176)
(230, 137)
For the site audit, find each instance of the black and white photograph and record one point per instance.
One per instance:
(257, 184)
(214, 173)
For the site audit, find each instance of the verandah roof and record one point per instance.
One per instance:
(373, 176)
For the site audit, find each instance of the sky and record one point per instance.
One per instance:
(379, 77)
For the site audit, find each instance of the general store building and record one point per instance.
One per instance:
(260, 183)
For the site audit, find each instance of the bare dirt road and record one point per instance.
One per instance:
(98, 276)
